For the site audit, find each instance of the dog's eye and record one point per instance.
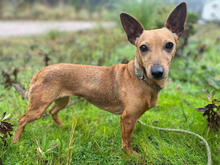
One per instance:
(143, 48)
(169, 45)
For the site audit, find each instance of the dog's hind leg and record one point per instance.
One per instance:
(39, 101)
(32, 114)
(59, 105)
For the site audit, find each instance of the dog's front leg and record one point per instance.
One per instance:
(128, 123)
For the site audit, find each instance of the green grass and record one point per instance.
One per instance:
(93, 136)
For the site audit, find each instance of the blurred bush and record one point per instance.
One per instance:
(189, 30)
(54, 9)
(90, 5)
(151, 13)
(198, 64)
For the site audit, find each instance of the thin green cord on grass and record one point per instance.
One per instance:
(187, 132)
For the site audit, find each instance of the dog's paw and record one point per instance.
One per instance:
(130, 151)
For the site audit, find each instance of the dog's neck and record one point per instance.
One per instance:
(140, 74)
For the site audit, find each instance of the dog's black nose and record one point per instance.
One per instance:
(157, 71)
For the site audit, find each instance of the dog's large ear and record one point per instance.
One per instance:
(131, 26)
(176, 19)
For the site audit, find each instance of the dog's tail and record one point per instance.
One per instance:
(20, 90)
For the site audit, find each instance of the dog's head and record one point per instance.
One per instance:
(155, 48)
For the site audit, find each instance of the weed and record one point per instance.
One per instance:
(212, 111)
(5, 127)
(46, 59)
(8, 80)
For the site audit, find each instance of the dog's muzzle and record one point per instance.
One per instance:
(157, 72)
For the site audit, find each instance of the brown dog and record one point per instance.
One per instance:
(126, 89)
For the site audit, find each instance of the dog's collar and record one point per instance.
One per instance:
(142, 77)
